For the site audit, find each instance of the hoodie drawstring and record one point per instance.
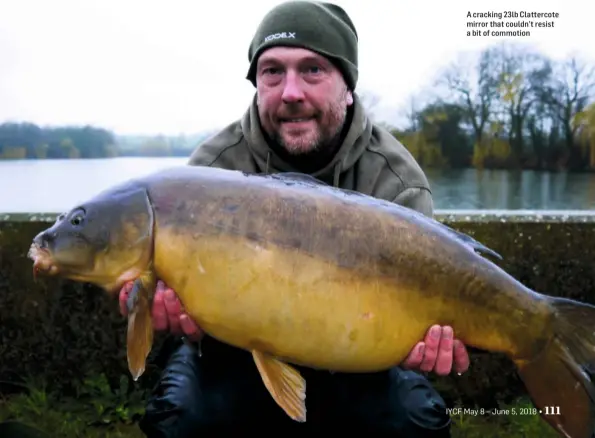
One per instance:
(266, 170)
(337, 174)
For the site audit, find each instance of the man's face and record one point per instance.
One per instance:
(302, 98)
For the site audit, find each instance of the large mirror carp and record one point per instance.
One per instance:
(298, 272)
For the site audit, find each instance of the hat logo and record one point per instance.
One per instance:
(280, 35)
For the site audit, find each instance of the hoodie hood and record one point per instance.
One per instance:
(355, 141)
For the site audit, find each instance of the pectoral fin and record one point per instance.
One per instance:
(140, 326)
(285, 384)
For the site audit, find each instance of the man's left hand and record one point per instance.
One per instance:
(440, 352)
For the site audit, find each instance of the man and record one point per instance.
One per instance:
(305, 117)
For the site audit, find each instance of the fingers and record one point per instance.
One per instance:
(173, 308)
(415, 357)
(444, 360)
(461, 357)
(432, 341)
(123, 297)
(439, 352)
(190, 328)
(159, 312)
(167, 312)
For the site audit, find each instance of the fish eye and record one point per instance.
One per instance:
(77, 219)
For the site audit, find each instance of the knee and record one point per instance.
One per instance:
(174, 407)
(423, 409)
(218, 393)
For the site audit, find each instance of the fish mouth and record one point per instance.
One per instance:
(42, 261)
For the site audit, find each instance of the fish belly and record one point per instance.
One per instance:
(295, 306)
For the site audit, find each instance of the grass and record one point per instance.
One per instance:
(99, 410)
(522, 424)
(96, 411)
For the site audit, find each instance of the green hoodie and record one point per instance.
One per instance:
(370, 160)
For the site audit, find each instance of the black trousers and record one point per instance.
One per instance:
(221, 392)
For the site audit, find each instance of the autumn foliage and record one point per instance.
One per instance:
(508, 106)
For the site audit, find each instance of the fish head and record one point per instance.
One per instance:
(106, 241)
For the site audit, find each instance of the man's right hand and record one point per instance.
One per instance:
(167, 312)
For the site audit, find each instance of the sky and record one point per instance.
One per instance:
(174, 67)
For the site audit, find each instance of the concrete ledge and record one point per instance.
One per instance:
(530, 216)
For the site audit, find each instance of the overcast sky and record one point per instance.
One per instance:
(143, 67)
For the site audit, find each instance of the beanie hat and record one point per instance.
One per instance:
(324, 28)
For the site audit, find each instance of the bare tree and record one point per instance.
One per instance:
(520, 71)
(569, 90)
(473, 89)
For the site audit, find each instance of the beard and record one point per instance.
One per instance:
(318, 131)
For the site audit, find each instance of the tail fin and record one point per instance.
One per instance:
(557, 380)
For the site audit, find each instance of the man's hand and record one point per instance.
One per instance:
(439, 352)
(167, 312)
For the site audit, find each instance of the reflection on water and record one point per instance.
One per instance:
(509, 190)
(56, 185)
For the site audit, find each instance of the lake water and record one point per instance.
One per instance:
(51, 186)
